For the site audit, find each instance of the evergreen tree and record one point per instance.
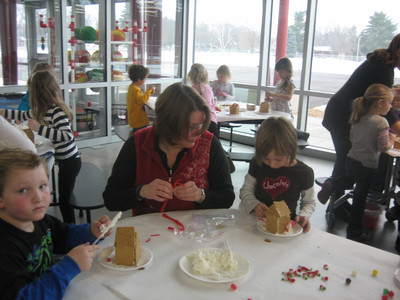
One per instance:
(291, 43)
(378, 34)
(298, 29)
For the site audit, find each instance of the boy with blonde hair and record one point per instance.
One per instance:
(30, 237)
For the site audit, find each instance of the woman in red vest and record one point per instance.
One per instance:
(174, 165)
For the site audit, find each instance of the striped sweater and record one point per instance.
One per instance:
(57, 129)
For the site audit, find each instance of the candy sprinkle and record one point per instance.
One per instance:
(267, 241)
(326, 267)
(348, 281)
(391, 294)
(374, 272)
(354, 273)
(233, 287)
(322, 288)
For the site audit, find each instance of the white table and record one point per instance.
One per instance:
(244, 117)
(247, 116)
(163, 279)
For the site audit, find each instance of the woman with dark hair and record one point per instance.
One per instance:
(377, 68)
(174, 165)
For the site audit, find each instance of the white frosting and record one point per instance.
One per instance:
(105, 229)
(213, 264)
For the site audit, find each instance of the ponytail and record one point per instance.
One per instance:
(359, 110)
(374, 93)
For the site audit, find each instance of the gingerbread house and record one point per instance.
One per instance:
(277, 217)
(264, 107)
(234, 109)
(127, 246)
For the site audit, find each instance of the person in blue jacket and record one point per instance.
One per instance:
(29, 237)
(41, 66)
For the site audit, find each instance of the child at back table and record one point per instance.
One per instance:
(369, 137)
(198, 76)
(275, 174)
(136, 99)
(30, 237)
(280, 99)
(50, 117)
(222, 88)
(42, 66)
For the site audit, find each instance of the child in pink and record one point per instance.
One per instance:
(198, 75)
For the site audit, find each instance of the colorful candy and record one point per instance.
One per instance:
(322, 287)
(233, 287)
(374, 272)
(348, 281)
(326, 267)
(354, 273)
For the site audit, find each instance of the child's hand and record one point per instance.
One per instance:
(188, 192)
(33, 125)
(96, 227)
(304, 222)
(153, 89)
(260, 210)
(83, 255)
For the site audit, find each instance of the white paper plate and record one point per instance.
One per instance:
(297, 229)
(397, 275)
(146, 256)
(229, 114)
(243, 266)
(261, 113)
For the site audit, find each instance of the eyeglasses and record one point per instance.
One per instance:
(194, 127)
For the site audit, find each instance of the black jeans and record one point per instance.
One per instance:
(362, 176)
(342, 144)
(68, 170)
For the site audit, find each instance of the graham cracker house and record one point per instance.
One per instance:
(277, 216)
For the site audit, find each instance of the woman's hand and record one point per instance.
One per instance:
(260, 210)
(188, 192)
(159, 190)
(96, 226)
(33, 125)
(304, 222)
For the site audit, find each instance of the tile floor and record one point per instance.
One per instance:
(384, 237)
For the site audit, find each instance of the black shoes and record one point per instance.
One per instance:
(397, 245)
(393, 213)
(359, 236)
(325, 192)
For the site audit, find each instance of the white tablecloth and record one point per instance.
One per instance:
(163, 278)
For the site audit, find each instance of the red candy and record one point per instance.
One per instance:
(233, 287)
(109, 260)
(391, 294)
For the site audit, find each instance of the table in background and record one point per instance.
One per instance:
(163, 278)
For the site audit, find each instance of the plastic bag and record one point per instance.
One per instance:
(206, 228)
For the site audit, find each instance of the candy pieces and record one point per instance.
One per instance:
(387, 294)
(233, 287)
(326, 267)
(348, 281)
(374, 272)
(354, 273)
(322, 287)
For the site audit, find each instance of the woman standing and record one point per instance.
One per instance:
(378, 68)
